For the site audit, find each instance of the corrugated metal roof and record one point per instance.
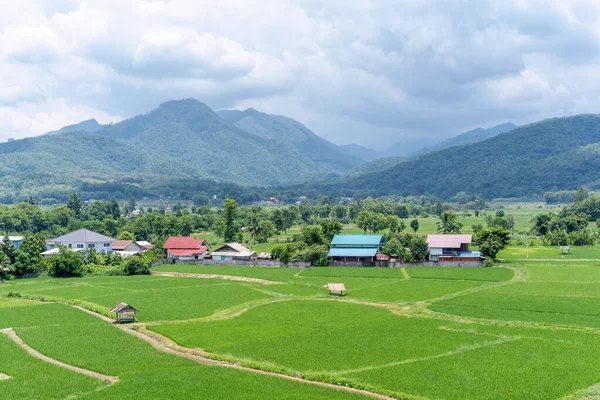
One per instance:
(352, 252)
(82, 236)
(183, 242)
(187, 252)
(448, 241)
(121, 306)
(374, 240)
(336, 286)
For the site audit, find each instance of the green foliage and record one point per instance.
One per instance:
(414, 225)
(135, 266)
(492, 240)
(66, 263)
(448, 223)
(330, 229)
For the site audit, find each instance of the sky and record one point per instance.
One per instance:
(354, 71)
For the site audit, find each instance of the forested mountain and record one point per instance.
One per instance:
(473, 136)
(360, 152)
(554, 154)
(89, 126)
(179, 140)
(291, 133)
(384, 160)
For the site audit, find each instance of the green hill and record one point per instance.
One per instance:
(555, 154)
(293, 134)
(179, 140)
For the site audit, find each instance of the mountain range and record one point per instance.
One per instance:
(554, 154)
(182, 139)
(185, 146)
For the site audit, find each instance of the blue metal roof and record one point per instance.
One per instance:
(351, 252)
(371, 240)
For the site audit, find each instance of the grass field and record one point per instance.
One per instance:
(528, 330)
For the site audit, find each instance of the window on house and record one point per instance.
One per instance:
(70, 245)
(80, 245)
(106, 244)
(196, 257)
(92, 246)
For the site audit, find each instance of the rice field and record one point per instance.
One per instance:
(528, 330)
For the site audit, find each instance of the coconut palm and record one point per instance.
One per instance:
(449, 223)
(254, 227)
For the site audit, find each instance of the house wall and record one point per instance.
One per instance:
(99, 246)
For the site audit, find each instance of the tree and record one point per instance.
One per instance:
(393, 223)
(330, 229)
(364, 220)
(135, 266)
(231, 230)
(492, 240)
(74, 204)
(312, 234)
(125, 235)
(267, 230)
(66, 263)
(278, 221)
(253, 227)
(113, 208)
(579, 195)
(414, 225)
(449, 223)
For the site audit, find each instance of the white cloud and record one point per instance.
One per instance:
(418, 69)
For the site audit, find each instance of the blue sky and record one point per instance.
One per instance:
(354, 71)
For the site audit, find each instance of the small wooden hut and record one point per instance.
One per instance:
(565, 250)
(124, 313)
(336, 289)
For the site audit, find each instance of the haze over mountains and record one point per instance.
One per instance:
(186, 140)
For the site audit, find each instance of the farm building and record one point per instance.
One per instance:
(451, 248)
(185, 248)
(232, 251)
(124, 313)
(355, 248)
(82, 240)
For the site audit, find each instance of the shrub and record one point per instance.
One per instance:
(135, 266)
(66, 263)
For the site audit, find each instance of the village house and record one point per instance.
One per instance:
(185, 248)
(451, 248)
(128, 247)
(80, 240)
(16, 240)
(232, 251)
(355, 248)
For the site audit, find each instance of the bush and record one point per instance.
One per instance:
(66, 263)
(135, 266)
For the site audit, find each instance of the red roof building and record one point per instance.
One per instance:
(185, 248)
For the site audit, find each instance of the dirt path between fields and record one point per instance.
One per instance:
(216, 276)
(15, 338)
(166, 345)
(4, 377)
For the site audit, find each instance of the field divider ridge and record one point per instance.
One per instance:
(31, 351)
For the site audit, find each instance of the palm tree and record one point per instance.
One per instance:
(449, 223)
(254, 227)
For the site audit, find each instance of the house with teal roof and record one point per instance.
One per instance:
(355, 248)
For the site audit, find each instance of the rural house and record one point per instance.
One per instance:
(16, 240)
(81, 240)
(232, 251)
(451, 248)
(355, 248)
(128, 245)
(185, 248)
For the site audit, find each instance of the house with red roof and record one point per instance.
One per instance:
(185, 248)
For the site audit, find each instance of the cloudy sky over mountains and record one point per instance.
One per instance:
(371, 72)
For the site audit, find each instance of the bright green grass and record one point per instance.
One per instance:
(319, 336)
(35, 379)
(549, 252)
(269, 273)
(555, 289)
(357, 272)
(145, 373)
(37, 315)
(412, 290)
(525, 369)
(183, 303)
(557, 271)
(583, 311)
(495, 274)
